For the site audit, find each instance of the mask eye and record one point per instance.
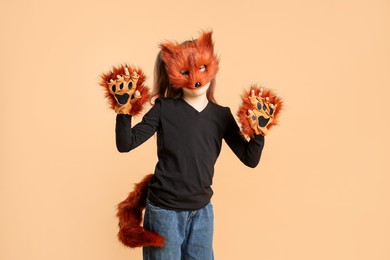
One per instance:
(202, 68)
(184, 72)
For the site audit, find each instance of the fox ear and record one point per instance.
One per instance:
(168, 51)
(205, 42)
(168, 47)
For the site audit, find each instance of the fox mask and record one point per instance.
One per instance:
(191, 64)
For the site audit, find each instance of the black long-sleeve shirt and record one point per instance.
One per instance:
(188, 145)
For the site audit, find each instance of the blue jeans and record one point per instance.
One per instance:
(188, 234)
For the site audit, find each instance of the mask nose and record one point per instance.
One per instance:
(197, 84)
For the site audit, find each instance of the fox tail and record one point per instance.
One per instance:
(131, 233)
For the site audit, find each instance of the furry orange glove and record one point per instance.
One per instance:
(125, 90)
(259, 111)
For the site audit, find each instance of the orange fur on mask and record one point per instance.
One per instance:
(190, 56)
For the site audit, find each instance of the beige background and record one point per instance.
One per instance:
(321, 190)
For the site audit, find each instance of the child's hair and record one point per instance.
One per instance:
(162, 86)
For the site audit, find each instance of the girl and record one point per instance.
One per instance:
(190, 126)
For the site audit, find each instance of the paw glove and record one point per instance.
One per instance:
(125, 89)
(259, 111)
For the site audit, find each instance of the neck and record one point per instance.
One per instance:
(197, 102)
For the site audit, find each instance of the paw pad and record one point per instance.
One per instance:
(123, 89)
(262, 113)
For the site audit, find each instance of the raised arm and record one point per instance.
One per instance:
(125, 90)
(128, 138)
(249, 152)
(258, 112)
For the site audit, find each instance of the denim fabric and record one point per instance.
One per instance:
(188, 234)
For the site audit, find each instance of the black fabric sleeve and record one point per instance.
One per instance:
(128, 138)
(249, 152)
